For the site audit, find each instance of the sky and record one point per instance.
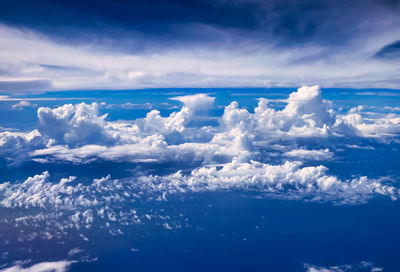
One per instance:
(239, 135)
(87, 45)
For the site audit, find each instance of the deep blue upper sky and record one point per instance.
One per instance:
(291, 22)
(61, 45)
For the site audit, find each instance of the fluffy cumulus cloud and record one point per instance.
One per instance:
(79, 124)
(70, 203)
(288, 180)
(74, 203)
(78, 133)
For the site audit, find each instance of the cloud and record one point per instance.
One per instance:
(323, 154)
(22, 104)
(362, 266)
(378, 93)
(72, 203)
(382, 127)
(196, 104)
(59, 266)
(306, 114)
(15, 145)
(288, 180)
(75, 251)
(71, 124)
(78, 134)
(33, 60)
(193, 107)
(253, 151)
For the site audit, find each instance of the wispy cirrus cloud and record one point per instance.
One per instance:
(33, 61)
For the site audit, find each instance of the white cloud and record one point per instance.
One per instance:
(15, 146)
(196, 104)
(69, 203)
(323, 154)
(74, 124)
(59, 266)
(386, 126)
(288, 180)
(28, 56)
(22, 104)
(378, 93)
(72, 203)
(362, 266)
(77, 133)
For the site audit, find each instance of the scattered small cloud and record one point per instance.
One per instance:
(23, 104)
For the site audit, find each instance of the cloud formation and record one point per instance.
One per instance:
(258, 151)
(306, 128)
(288, 180)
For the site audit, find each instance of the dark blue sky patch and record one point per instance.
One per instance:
(390, 51)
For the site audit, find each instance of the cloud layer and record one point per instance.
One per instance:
(35, 62)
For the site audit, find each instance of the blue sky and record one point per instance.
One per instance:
(77, 45)
(240, 135)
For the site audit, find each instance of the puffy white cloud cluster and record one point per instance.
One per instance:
(288, 180)
(306, 115)
(78, 201)
(240, 133)
(51, 209)
(174, 126)
(15, 146)
(74, 124)
(79, 134)
(365, 126)
(55, 206)
(71, 203)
